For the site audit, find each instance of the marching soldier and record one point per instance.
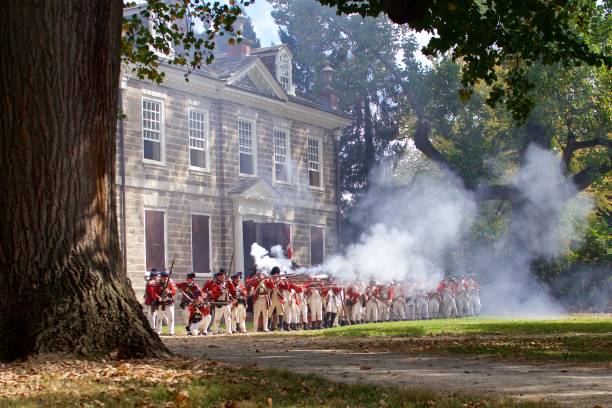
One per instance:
(239, 307)
(353, 303)
(189, 288)
(371, 309)
(315, 301)
(258, 288)
(222, 293)
(165, 292)
(276, 298)
(150, 297)
(199, 314)
(399, 303)
(332, 306)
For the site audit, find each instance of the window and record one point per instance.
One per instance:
(281, 151)
(316, 246)
(246, 147)
(155, 251)
(314, 162)
(151, 129)
(200, 243)
(283, 70)
(198, 143)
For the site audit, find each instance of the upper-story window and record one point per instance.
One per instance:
(283, 69)
(246, 147)
(281, 152)
(152, 129)
(314, 162)
(198, 139)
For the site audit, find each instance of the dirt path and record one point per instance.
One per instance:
(338, 360)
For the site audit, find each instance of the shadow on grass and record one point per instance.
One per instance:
(248, 388)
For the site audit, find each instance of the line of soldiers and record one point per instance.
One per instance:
(280, 302)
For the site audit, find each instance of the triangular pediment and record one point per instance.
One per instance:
(256, 75)
(259, 190)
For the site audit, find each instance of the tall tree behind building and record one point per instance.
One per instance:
(364, 85)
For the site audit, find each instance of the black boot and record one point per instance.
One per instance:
(281, 326)
(326, 320)
(269, 324)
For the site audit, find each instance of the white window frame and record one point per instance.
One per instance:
(204, 214)
(287, 154)
(310, 242)
(162, 149)
(144, 229)
(253, 148)
(279, 62)
(321, 182)
(206, 139)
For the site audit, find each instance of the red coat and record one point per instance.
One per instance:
(189, 289)
(200, 308)
(150, 292)
(170, 291)
(221, 291)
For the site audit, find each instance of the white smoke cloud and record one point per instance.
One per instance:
(413, 231)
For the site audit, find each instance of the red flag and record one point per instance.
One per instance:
(289, 251)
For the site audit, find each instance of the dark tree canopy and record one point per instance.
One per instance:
(487, 34)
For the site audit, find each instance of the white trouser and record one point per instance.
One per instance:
(411, 309)
(463, 304)
(225, 312)
(399, 308)
(434, 307)
(152, 313)
(295, 313)
(260, 307)
(355, 312)
(205, 322)
(276, 305)
(304, 311)
(422, 307)
(239, 318)
(474, 299)
(371, 311)
(316, 309)
(168, 312)
(288, 312)
(384, 311)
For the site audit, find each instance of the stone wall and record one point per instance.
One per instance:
(180, 190)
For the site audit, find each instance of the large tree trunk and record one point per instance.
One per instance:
(63, 287)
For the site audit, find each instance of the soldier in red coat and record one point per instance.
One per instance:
(199, 314)
(150, 297)
(276, 298)
(258, 287)
(239, 307)
(223, 293)
(165, 291)
(190, 288)
(353, 303)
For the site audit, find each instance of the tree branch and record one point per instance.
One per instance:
(587, 176)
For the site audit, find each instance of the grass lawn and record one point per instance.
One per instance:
(197, 383)
(579, 338)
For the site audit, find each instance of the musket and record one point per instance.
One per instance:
(167, 283)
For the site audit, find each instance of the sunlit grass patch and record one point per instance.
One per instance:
(476, 325)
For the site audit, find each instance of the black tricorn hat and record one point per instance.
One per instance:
(191, 275)
(275, 271)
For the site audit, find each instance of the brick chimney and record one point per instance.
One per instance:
(242, 48)
(327, 95)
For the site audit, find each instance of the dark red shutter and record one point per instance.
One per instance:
(316, 245)
(200, 243)
(154, 238)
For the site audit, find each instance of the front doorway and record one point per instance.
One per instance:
(267, 235)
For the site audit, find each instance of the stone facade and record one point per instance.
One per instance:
(218, 191)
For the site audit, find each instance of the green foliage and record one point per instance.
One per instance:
(486, 35)
(360, 51)
(159, 31)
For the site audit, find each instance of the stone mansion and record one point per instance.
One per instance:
(235, 156)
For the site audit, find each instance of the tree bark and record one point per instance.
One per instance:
(64, 288)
